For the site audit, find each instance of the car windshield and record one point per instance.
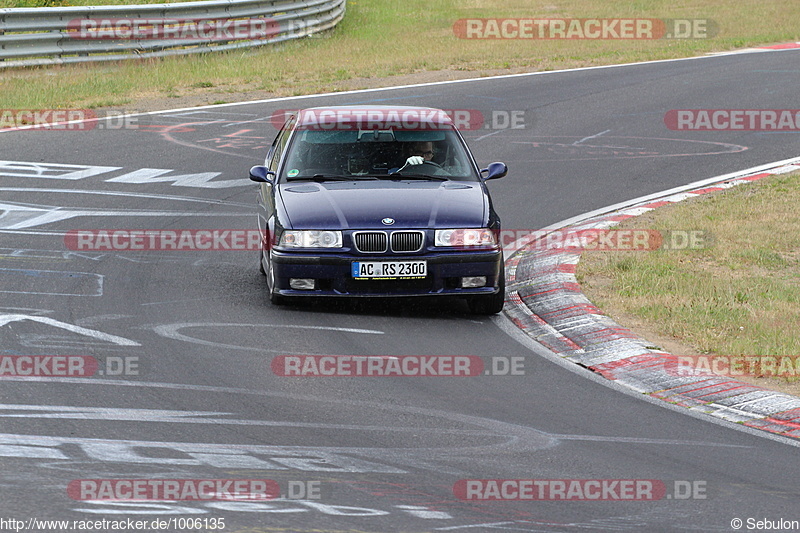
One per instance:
(337, 154)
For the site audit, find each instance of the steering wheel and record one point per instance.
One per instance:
(437, 165)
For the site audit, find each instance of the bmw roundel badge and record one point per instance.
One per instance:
(387, 221)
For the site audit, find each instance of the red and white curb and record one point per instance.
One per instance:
(767, 48)
(783, 46)
(545, 301)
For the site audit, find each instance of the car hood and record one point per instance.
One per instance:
(364, 204)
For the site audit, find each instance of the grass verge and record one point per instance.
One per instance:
(738, 296)
(379, 39)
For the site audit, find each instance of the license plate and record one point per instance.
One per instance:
(389, 269)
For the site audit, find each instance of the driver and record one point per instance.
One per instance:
(420, 152)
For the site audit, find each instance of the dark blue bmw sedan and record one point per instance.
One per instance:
(366, 201)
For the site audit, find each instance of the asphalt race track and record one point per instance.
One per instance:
(198, 398)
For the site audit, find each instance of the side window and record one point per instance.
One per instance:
(280, 144)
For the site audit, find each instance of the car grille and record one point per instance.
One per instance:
(370, 242)
(406, 241)
(377, 241)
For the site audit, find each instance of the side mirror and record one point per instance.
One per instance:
(260, 174)
(495, 170)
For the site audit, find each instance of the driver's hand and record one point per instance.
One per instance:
(415, 160)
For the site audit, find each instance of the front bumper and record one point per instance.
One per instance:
(333, 274)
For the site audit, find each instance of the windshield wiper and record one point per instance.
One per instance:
(328, 177)
(403, 175)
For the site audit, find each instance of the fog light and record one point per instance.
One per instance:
(302, 284)
(473, 282)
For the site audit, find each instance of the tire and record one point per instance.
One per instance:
(492, 303)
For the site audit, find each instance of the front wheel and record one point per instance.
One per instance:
(493, 303)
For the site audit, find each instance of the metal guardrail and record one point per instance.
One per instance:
(49, 36)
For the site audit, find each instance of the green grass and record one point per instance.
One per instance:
(738, 296)
(381, 38)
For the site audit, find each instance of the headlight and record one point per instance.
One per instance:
(310, 239)
(465, 237)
